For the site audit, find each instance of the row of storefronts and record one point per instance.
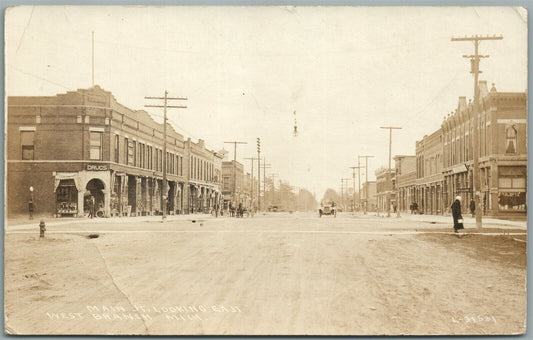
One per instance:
(82, 153)
(443, 165)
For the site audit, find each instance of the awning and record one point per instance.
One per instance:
(67, 175)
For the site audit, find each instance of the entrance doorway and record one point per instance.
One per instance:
(95, 188)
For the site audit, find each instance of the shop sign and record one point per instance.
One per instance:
(97, 167)
(512, 121)
(459, 168)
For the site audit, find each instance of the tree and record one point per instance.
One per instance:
(305, 201)
(331, 195)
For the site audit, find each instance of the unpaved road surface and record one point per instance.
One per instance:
(269, 275)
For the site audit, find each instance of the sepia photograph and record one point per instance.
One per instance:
(265, 170)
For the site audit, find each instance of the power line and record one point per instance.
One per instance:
(366, 181)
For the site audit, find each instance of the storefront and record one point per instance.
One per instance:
(512, 189)
(66, 198)
(73, 190)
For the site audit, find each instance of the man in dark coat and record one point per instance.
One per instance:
(472, 207)
(456, 214)
(30, 208)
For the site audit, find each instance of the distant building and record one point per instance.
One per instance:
(385, 194)
(233, 189)
(369, 196)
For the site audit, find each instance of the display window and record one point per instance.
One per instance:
(67, 197)
(512, 188)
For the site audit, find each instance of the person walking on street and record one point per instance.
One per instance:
(473, 207)
(456, 214)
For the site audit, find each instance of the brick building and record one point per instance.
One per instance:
(205, 176)
(429, 177)
(233, 189)
(83, 146)
(502, 152)
(405, 181)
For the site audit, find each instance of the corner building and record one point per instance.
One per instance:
(84, 145)
(502, 152)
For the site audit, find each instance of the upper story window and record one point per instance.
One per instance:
(117, 141)
(510, 144)
(126, 150)
(131, 152)
(95, 145)
(27, 144)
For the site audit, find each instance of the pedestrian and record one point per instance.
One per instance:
(456, 214)
(231, 209)
(473, 207)
(415, 207)
(90, 205)
(30, 208)
(240, 211)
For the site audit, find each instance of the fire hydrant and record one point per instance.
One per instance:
(42, 228)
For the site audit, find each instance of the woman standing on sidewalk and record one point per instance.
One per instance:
(456, 214)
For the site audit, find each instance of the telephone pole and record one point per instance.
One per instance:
(165, 106)
(273, 198)
(343, 180)
(258, 174)
(252, 183)
(390, 169)
(474, 69)
(234, 168)
(265, 166)
(358, 182)
(366, 180)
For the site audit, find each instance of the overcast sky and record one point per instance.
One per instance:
(346, 71)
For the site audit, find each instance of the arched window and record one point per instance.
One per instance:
(510, 144)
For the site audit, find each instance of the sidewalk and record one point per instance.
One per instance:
(25, 222)
(468, 220)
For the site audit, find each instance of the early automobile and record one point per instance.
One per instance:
(327, 208)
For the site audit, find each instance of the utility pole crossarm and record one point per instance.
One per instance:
(478, 37)
(168, 106)
(168, 98)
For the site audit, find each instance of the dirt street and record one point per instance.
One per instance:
(276, 274)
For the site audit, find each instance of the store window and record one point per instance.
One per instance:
(131, 153)
(96, 145)
(27, 144)
(512, 188)
(67, 197)
(510, 144)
